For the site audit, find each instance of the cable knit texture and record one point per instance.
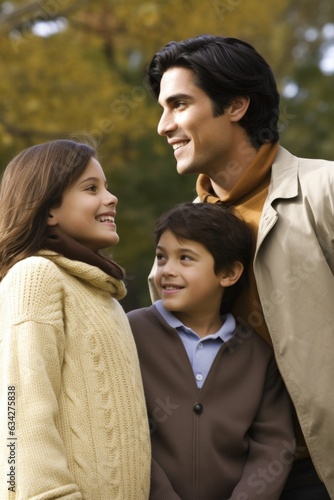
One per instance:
(67, 347)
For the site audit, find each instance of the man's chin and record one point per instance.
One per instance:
(185, 169)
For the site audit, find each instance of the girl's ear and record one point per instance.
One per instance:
(52, 221)
(238, 108)
(231, 276)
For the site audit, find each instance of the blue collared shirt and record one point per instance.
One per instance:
(201, 351)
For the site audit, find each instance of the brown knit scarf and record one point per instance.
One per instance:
(73, 250)
(248, 197)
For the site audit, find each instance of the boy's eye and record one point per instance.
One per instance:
(186, 257)
(161, 259)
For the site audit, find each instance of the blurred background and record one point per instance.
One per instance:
(76, 67)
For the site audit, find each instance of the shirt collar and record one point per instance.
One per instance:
(225, 332)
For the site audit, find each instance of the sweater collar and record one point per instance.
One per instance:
(251, 178)
(87, 273)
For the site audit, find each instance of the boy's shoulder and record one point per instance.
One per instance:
(147, 320)
(143, 314)
(245, 337)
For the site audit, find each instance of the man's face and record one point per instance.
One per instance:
(201, 142)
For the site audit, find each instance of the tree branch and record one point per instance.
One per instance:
(33, 12)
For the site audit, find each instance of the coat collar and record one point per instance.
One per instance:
(283, 185)
(284, 176)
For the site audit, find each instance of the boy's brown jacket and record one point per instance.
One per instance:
(233, 438)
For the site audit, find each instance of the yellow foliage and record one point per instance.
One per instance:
(90, 76)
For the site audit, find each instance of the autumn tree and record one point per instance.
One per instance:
(76, 67)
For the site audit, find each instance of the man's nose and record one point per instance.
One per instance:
(166, 124)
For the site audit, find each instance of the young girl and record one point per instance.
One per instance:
(73, 416)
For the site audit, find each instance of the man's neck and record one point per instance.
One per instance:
(233, 169)
(238, 178)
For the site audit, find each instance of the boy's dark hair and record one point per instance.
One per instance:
(219, 230)
(224, 68)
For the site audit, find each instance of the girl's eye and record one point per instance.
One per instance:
(91, 188)
(160, 257)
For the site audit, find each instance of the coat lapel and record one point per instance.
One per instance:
(283, 185)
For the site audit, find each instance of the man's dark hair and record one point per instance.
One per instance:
(227, 237)
(225, 68)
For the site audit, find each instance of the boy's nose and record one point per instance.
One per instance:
(168, 271)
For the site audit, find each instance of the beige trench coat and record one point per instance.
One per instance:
(294, 264)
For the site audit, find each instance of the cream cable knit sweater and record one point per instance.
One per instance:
(80, 429)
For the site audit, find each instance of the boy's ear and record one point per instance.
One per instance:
(231, 276)
(238, 107)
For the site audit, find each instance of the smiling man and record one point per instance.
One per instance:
(220, 111)
(200, 138)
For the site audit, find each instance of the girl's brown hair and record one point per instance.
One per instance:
(34, 182)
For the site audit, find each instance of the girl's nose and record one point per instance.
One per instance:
(111, 199)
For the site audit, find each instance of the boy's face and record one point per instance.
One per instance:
(185, 278)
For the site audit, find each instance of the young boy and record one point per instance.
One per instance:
(221, 425)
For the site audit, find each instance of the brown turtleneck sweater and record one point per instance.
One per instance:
(248, 197)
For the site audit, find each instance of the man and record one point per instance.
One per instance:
(220, 114)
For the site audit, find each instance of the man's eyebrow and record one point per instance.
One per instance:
(177, 97)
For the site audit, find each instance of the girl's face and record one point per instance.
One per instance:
(87, 211)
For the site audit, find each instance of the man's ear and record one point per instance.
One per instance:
(231, 276)
(238, 107)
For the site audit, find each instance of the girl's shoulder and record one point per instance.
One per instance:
(31, 275)
(32, 288)
(35, 265)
